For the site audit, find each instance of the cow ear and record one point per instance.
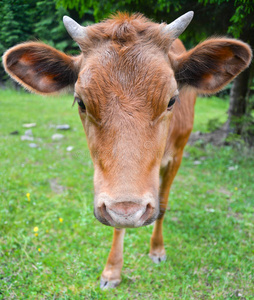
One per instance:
(212, 64)
(40, 68)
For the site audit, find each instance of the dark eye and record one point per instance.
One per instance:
(172, 102)
(80, 103)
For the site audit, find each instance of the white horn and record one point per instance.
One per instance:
(179, 25)
(74, 29)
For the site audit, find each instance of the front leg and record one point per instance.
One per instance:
(157, 251)
(111, 275)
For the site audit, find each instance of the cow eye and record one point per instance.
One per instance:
(80, 103)
(172, 102)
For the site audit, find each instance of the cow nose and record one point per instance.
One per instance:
(125, 208)
(127, 214)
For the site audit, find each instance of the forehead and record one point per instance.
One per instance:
(137, 70)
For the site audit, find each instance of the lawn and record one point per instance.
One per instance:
(52, 247)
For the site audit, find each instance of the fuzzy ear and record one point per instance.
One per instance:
(212, 64)
(40, 68)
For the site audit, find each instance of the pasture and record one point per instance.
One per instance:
(52, 247)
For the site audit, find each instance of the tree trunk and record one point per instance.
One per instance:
(238, 103)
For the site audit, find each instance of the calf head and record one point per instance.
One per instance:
(126, 81)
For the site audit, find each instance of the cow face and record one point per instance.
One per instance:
(126, 81)
(126, 98)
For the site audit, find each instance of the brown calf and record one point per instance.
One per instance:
(136, 87)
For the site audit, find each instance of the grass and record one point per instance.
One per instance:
(208, 232)
(209, 110)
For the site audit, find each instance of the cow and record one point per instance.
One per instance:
(136, 87)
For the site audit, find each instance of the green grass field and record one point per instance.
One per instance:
(52, 247)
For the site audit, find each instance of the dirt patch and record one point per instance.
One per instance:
(217, 138)
(56, 187)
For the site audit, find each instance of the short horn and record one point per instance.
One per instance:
(179, 25)
(76, 31)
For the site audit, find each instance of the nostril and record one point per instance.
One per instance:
(147, 214)
(104, 214)
(103, 209)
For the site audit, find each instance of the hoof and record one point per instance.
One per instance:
(157, 259)
(109, 284)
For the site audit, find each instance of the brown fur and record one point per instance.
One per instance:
(127, 73)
